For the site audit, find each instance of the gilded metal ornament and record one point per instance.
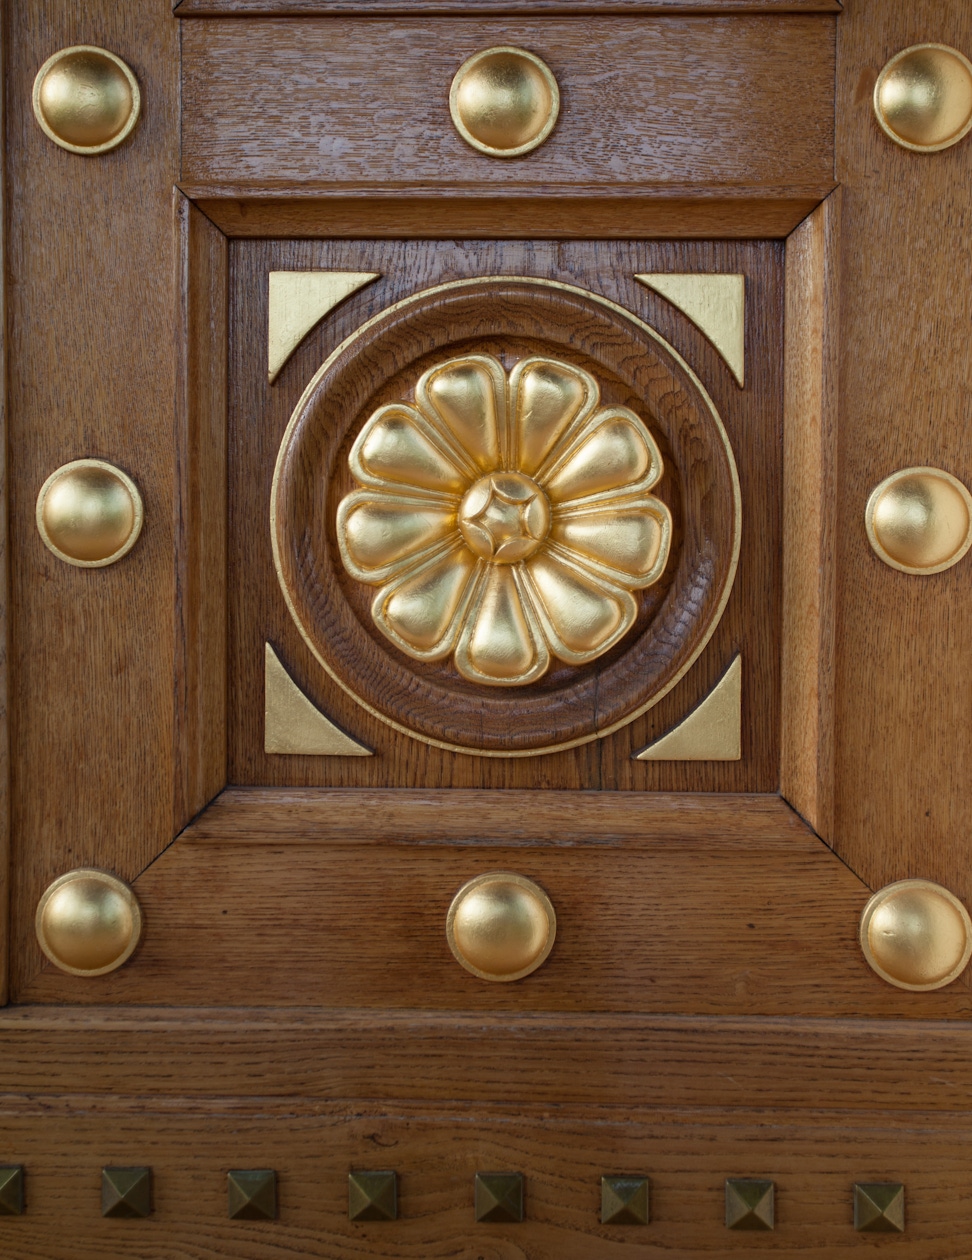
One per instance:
(916, 935)
(292, 725)
(879, 1207)
(504, 101)
(88, 922)
(126, 1193)
(251, 1195)
(919, 520)
(373, 1196)
(624, 1200)
(716, 305)
(297, 300)
(923, 97)
(86, 99)
(89, 513)
(501, 926)
(11, 1190)
(499, 1198)
(750, 1204)
(505, 521)
(711, 732)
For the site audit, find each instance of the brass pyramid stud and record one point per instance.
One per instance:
(624, 1200)
(750, 1203)
(373, 1196)
(499, 1197)
(126, 1192)
(11, 1190)
(879, 1207)
(252, 1195)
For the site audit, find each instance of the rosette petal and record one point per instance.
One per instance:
(612, 452)
(501, 642)
(422, 612)
(382, 535)
(466, 400)
(398, 447)
(548, 400)
(625, 540)
(582, 615)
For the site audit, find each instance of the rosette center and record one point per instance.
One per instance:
(504, 517)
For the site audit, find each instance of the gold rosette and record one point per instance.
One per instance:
(505, 521)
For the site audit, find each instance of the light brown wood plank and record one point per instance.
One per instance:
(548, 8)
(695, 100)
(91, 373)
(200, 668)
(902, 677)
(725, 213)
(563, 1153)
(809, 510)
(457, 817)
(605, 1060)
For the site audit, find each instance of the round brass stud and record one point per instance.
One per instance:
(504, 101)
(919, 520)
(923, 97)
(88, 922)
(86, 99)
(501, 926)
(89, 513)
(916, 935)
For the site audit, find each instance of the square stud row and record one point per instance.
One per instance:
(750, 1202)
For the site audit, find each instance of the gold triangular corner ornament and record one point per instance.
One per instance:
(712, 731)
(298, 301)
(716, 305)
(295, 726)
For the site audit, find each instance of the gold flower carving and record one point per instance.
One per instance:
(506, 521)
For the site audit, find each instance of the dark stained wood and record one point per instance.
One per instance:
(5, 803)
(698, 101)
(902, 679)
(563, 1151)
(92, 368)
(626, 1060)
(200, 667)
(634, 215)
(659, 924)
(548, 8)
(811, 357)
(753, 418)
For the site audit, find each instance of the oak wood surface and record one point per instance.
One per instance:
(436, 1152)
(258, 417)
(903, 645)
(622, 1060)
(636, 214)
(199, 737)
(700, 101)
(810, 358)
(5, 796)
(513, 8)
(92, 363)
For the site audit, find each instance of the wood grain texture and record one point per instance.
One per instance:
(436, 1152)
(663, 103)
(810, 360)
(5, 867)
(200, 543)
(903, 645)
(604, 1060)
(461, 8)
(753, 418)
(415, 214)
(91, 373)
(654, 925)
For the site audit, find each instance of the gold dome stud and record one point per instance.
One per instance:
(916, 935)
(919, 520)
(88, 922)
(504, 101)
(501, 926)
(86, 99)
(923, 97)
(89, 513)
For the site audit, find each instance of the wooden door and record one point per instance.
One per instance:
(277, 706)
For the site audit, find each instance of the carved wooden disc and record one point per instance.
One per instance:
(510, 318)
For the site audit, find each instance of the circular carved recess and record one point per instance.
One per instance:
(509, 320)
